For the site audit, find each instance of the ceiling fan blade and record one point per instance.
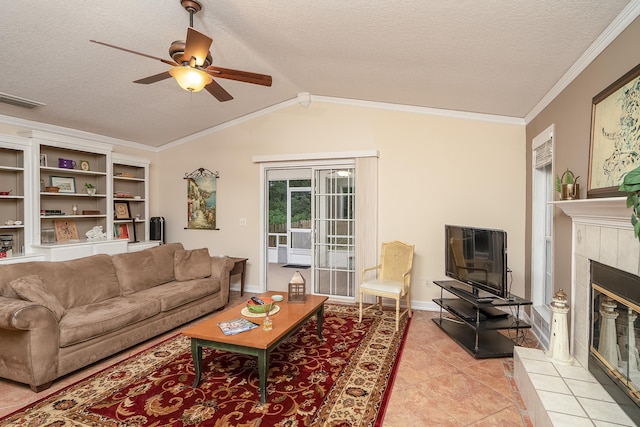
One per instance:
(154, 78)
(241, 76)
(218, 91)
(166, 61)
(197, 46)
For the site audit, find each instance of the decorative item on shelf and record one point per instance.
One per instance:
(74, 209)
(52, 189)
(631, 186)
(48, 235)
(121, 210)
(91, 189)
(568, 186)
(65, 184)
(6, 245)
(66, 229)
(559, 345)
(297, 289)
(96, 233)
(5, 193)
(90, 212)
(66, 163)
(84, 165)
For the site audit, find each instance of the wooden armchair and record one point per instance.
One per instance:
(393, 279)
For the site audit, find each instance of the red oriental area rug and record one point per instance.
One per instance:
(344, 380)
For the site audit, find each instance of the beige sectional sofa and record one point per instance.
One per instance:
(57, 317)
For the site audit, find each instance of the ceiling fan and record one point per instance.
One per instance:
(191, 65)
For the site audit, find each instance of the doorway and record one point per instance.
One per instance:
(310, 228)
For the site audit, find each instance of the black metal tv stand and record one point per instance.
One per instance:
(480, 320)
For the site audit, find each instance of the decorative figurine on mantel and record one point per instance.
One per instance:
(559, 345)
(297, 289)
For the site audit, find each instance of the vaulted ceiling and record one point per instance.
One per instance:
(495, 57)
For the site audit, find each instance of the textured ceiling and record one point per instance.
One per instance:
(488, 56)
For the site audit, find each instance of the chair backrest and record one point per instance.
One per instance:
(396, 259)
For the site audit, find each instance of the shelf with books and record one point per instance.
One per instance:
(15, 201)
(131, 189)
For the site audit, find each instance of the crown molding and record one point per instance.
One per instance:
(622, 21)
(30, 125)
(346, 101)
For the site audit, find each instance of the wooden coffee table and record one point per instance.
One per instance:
(255, 342)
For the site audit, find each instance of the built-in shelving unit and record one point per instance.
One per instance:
(71, 201)
(14, 180)
(91, 181)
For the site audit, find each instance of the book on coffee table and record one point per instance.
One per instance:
(235, 326)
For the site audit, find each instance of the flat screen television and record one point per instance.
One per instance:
(477, 257)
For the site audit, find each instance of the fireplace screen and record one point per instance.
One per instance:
(616, 338)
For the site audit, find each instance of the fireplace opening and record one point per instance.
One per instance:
(614, 358)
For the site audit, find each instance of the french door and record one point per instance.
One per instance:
(334, 231)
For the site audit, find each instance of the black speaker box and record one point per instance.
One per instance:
(156, 229)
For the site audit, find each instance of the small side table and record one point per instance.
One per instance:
(239, 268)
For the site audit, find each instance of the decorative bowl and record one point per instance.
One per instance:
(259, 309)
(51, 189)
(278, 298)
(5, 193)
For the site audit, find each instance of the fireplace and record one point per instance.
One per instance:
(615, 334)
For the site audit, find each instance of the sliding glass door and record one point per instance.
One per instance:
(334, 231)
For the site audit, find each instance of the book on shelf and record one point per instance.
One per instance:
(236, 326)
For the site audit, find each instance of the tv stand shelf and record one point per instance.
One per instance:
(477, 322)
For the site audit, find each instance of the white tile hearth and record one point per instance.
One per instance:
(563, 395)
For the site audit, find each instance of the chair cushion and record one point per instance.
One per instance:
(377, 286)
(191, 264)
(32, 289)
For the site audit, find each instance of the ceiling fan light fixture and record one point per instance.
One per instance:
(190, 79)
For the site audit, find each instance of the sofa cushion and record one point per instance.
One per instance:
(32, 289)
(191, 264)
(174, 294)
(90, 321)
(145, 269)
(75, 283)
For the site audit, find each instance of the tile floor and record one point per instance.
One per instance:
(437, 383)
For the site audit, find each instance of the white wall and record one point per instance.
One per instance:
(432, 170)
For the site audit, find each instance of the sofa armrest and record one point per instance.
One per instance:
(220, 269)
(24, 315)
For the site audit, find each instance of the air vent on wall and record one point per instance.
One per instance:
(5, 98)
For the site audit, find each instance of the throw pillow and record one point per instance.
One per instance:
(31, 288)
(191, 264)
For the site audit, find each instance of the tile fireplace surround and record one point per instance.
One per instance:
(557, 395)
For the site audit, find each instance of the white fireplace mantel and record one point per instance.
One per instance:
(609, 211)
(602, 232)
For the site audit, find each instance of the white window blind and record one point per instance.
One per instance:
(543, 154)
